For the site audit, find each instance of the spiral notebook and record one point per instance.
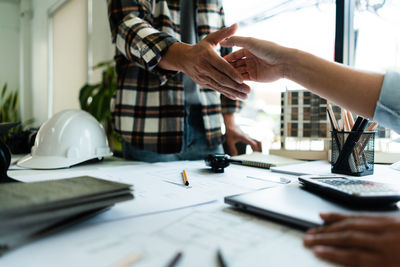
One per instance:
(266, 161)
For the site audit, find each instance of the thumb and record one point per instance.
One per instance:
(216, 37)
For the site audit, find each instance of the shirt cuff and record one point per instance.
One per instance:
(230, 106)
(387, 111)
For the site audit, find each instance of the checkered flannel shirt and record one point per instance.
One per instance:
(148, 108)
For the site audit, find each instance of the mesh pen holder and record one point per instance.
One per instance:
(357, 161)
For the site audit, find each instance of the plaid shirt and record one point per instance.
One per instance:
(148, 108)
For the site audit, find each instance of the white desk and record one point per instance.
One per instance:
(166, 217)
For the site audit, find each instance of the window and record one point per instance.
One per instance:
(376, 30)
(307, 25)
(367, 37)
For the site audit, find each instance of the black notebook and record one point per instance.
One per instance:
(27, 210)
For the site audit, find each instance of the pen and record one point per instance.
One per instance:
(352, 139)
(334, 126)
(372, 127)
(346, 124)
(350, 118)
(332, 118)
(184, 177)
(221, 260)
(175, 260)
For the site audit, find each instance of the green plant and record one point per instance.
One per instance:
(96, 98)
(9, 112)
(9, 105)
(16, 138)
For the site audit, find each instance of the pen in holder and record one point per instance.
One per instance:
(353, 152)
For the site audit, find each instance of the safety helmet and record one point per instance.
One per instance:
(68, 138)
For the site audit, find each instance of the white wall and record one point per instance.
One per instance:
(9, 43)
(69, 55)
(99, 43)
(40, 52)
(100, 38)
(25, 48)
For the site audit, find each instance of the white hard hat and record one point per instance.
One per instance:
(68, 138)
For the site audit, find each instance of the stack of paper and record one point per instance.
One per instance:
(30, 210)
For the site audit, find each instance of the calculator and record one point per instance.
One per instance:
(351, 191)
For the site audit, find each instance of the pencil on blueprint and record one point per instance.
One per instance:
(184, 177)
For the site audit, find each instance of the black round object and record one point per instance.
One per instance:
(217, 162)
(5, 154)
(5, 159)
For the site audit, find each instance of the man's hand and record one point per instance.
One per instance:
(205, 67)
(234, 135)
(259, 60)
(357, 240)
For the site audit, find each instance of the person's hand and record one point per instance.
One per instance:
(259, 60)
(205, 67)
(357, 240)
(233, 135)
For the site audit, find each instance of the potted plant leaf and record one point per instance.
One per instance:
(17, 139)
(96, 98)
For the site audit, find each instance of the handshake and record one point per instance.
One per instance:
(225, 75)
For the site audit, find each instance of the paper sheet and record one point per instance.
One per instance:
(159, 187)
(244, 239)
(158, 223)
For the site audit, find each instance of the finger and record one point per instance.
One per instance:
(220, 90)
(356, 224)
(212, 84)
(239, 63)
(341, 239)
(253, 143)
(226, 90)
(258, 147)
(226, 81)
(242, 70)
(235, 55)
(244, 42)
(246, 76)
(216, 37)
(347, 257)
(335, 217)
(227, 70)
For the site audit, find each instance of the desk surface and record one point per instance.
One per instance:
(166, 217)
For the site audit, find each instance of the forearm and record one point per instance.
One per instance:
(133, 33)
(354, 90)
(175, 57)
(132, 27)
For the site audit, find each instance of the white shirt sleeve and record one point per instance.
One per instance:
(387, 112)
